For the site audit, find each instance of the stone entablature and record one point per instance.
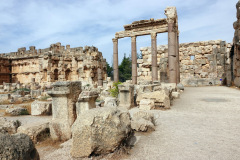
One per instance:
(201, 63)
(56, 63)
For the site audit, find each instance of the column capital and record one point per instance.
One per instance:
(153, 35)
(115, 39)
(133, 38)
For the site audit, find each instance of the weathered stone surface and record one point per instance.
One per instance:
(110, 102)
(161, 98)
(180, 86)
(143, 121)
(146, 104)
(41, 108)
(16, 111)
(126, 95)
(4, 97)
(100, 131)
(56, 63)
(86, 101)
(17, 146)
(176, 95)
(37, 132)
(7, 126)
(65, 95)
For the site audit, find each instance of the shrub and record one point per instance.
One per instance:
(114, 90)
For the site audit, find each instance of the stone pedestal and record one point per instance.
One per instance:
(126, 95)
(64, 97)
(86, 101)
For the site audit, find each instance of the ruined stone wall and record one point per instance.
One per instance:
(201, 63)
(56, 63)
(236, 50)
(4, 70)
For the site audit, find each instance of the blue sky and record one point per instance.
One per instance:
(24, 23)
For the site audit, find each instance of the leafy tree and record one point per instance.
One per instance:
(125, 69)
(109, 71)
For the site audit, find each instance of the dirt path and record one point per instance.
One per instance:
(203, 124)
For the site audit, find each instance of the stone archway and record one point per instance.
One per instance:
(56, 74)
(68, 75)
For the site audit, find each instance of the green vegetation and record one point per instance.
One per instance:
(110, 71)
(44, 98)
(125, 69)
(114, 91)
(21, 89)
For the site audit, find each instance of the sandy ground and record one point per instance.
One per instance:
(202, 125)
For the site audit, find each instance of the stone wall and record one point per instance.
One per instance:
(236, 50)
(57, 63)
(4, 70)
(201, 63)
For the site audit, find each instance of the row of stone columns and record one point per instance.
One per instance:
(173, 56)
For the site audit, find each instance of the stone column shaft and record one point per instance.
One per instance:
(134, 60)
(115, 60)
(172, 59)
(100, 77)
(177, 54)
(154, 57)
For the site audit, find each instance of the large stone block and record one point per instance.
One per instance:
(41, 108)
(17, 146)
(100, 131)
(126, 95)
(86, 101)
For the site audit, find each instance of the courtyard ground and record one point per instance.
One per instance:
(202, 125)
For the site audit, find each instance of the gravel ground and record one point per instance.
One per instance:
(30, 120)
(202, 124)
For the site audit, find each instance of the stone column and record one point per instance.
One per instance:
(172, 57)
(177, 55)
(115, 59)
(64, 97)
(171, 14)
(100, 77)
(154, 57)
(134, 60)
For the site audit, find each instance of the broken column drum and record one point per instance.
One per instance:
(64, 95)
(151, 27)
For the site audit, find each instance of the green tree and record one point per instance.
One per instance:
(109, 71)
(125, 69)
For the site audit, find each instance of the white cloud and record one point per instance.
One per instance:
(79, 23)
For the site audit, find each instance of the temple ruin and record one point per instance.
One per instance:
(152, 27)
(56, 63)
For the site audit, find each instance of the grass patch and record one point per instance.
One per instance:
(44, 98)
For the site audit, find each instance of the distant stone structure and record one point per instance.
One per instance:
(56, 63)
(235, 54)
(201, 63)
(152, 27)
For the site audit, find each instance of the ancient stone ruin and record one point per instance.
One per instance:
(201, 63)
(235, 52)
(152, 27)
(57, 63)
(68, 97)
